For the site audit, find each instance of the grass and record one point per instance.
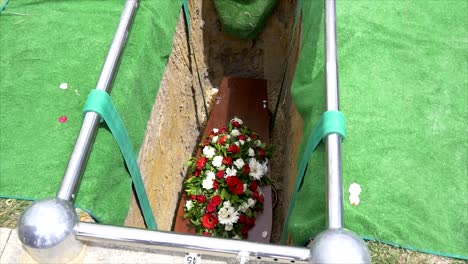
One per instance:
(11, 209)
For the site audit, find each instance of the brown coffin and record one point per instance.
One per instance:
(246, 99)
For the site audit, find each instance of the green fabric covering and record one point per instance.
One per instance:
(67, 41)
(244, 18)
(403, 89)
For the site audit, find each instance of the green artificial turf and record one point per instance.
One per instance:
(404, 92)
(45, 43)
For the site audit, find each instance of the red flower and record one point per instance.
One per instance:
(250, 222)
(215, 185)
(201, 198)
(222, 139)
(227, 161)
(252, 136)
(206, 234)
(257, 196)
(220, 174)
(196, 173)
(242, 218)
(206, 143)
(210, 208)
(193, 197)
(216, 200)
(245, 231)
(236, 124)
(222, 130)
(241, 137)
(246, 169)
(201, 163)
(209, 221)
(261, 153)
(233, 149)
(235, 185)
(253, 186)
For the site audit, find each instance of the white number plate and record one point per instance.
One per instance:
(192, 258)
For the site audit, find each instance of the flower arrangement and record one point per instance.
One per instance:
(223, 189)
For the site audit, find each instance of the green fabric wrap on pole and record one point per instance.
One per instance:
(100, 102)
(3, 5)
(332, 122)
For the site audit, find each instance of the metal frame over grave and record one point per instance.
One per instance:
(59, 236)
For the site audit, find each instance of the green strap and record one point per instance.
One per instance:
(100, 102)
(185, 7)
(286, 67)
(332, 122)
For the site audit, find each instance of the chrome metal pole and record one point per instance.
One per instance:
(85, 140)
(156, 240)
(335, 244)
(333, 141)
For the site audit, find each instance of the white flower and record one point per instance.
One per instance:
(217, 161)
(241, 142)
(243, 207)
(256, 169)
(249, 139)
(236, 143)
(208, 181)
(215, 130)
(215, 139)
(355, 189)
(354, 199)
(189, 204)
(209, 152)
(251, 152)
(228, 227)
(228, 136)
(227, 204)
(238, 120)
(245, 187)
(235, 132)
(211, 175)
(265, 167)
(251, 202)
(223, 213)
(230, 172)
(237, 237)
(258, 143)
(239, 163)
(227, 216)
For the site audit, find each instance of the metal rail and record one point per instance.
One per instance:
(333, 141)
(84, 143)
(336, 244)
(218, 247)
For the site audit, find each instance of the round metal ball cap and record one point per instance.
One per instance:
(338, 246)
(46, 231)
